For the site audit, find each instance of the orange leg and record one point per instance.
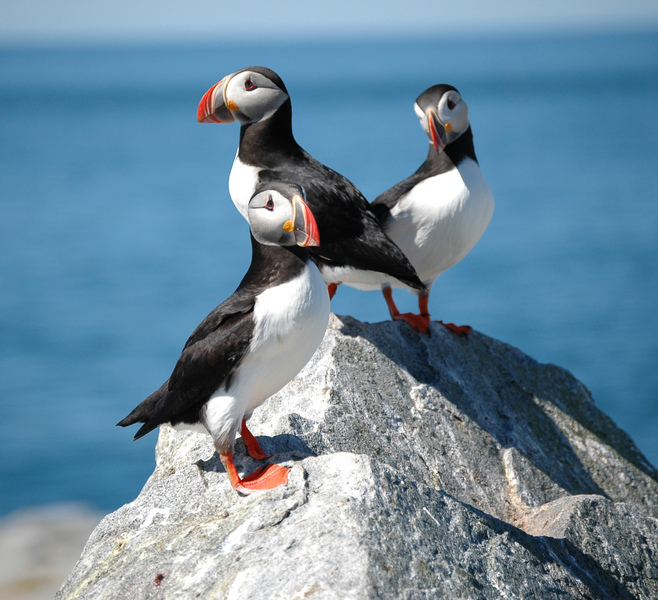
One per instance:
(421, 322)
(253, 447)
(266, 478)
(332, 287)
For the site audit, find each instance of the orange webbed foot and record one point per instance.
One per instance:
(460, 330)
(421, 323)
(266, 478)
(263, 478)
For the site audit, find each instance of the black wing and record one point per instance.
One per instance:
(217, 346)
(209, 360)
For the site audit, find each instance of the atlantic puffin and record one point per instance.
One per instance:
(354, 247)
(252, 344)
(439, 213)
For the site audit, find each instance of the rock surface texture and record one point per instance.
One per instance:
(423, 467)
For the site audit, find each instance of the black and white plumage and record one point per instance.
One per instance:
(438, 214)
(354, 247)
(252, 344)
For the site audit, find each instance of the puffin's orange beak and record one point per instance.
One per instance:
(306, 228)
(213, 108)
(437, 131)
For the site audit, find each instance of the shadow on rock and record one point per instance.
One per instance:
(284, 448)
(534, 410)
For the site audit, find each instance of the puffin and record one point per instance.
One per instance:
(253, 343)
(438, 214)
(354, 246)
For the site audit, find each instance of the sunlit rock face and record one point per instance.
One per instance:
(422, 467)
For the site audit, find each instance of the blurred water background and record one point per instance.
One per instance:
(117, 234)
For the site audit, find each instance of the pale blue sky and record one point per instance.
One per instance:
(148, 20)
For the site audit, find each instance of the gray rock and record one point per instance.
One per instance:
(423, 467)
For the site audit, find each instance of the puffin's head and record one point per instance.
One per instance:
(249, 95)
(443, 114)
(278, 215)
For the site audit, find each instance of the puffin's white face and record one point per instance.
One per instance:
(446, 121)
(248, 96)
(252, 97)
(278, 215)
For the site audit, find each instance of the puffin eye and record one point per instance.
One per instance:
(451, 104)
(249, 85)
(269, 205)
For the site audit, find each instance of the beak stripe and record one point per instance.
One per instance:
(212, 109)
(205, 110)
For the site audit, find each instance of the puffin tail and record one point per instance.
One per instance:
(402, 269)
(142, 412)
(387, 254)
(413, 282)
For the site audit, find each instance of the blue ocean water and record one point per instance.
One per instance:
(117, 235)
